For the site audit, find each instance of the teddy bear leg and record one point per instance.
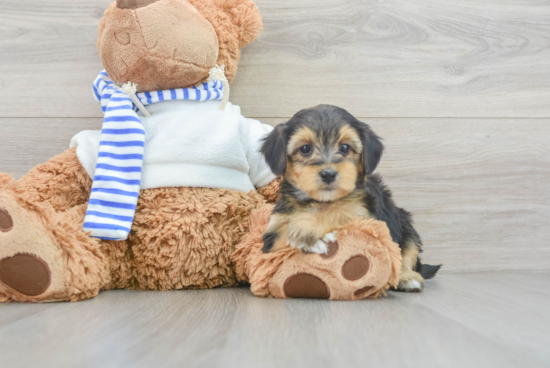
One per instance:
(46, 256)
(410, 280)
(362, 261)
(44, 253)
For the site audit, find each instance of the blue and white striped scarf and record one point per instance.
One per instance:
(115, 189)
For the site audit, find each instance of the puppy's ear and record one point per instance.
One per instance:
(372, 148)
(274, 150)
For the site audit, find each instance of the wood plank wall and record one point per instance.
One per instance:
(459, 90)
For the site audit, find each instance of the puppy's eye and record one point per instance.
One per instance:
(305, 149)
(344, 149)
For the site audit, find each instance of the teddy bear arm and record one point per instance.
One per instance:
(61, 182)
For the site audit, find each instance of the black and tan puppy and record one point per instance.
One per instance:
(326, 158)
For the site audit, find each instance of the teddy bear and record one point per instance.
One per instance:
(172, 192)
(196, 193)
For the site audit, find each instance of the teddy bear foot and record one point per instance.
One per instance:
(34, 266)
(28, 260)
(357, 265)
(361, 262)
(342, 272)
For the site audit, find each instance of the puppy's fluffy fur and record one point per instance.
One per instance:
(325, 156)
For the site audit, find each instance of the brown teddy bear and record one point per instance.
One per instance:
(174, 210)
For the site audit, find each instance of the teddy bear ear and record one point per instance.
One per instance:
(245, 15)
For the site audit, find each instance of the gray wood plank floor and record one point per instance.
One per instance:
(497, 319)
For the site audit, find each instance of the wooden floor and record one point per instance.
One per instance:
(497, 319)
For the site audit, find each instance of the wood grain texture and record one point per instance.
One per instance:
(382, 58)
(481, 320)
(424, 58)
(478, 188)
(29, 142)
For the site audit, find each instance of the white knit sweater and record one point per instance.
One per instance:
(193, 144)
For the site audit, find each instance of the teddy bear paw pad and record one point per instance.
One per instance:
(355, 267)
(25, 273)
(304, 285)
(332, 250)
(6, 222)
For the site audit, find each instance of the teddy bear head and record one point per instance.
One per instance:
(164, 44)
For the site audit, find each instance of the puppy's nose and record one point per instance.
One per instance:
(328, 176)
(133, 4)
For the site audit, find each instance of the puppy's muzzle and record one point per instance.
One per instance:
(328, 176)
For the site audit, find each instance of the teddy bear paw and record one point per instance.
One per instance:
(24, 257)
(334, 274)
(34, 263)
(45, 255)
(354, 266)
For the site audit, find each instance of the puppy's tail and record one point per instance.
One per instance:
(425, 270)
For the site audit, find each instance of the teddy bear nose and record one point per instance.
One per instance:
(133, 4)
(328, 176)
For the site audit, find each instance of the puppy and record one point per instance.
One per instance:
(326, 158)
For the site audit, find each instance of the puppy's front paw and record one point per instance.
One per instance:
(319, 247)
(329, 237)
(411, 282)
